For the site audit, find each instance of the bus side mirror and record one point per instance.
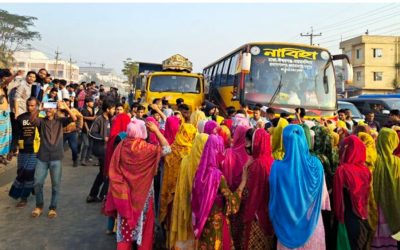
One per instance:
(246, 62)
(347, 68)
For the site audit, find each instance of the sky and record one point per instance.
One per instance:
(105, 33)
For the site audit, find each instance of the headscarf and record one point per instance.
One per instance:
(171, 128)
(235, 158)
(152, 137)
(277, 143)
(181, 227)
(206, 183)
(296, 184)
(119, 124)
(324, 150)
(353, 175)
(387, 178)
(137, 129)
(307, 133)
(240, 120)
(210, 126)
(134, 161)
(225, 133)
(228, 123)
(179, 149)
(256, 204)
(197, 116)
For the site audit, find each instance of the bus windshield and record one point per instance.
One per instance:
(295, 76)
(170, 83)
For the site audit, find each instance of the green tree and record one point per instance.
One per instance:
(131, 69)
(15, 33)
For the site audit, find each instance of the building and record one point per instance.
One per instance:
(376, 63)
(35, 60)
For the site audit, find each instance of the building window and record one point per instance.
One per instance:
(358, 53)
(377, 53)
(378, 76)
(358, 75)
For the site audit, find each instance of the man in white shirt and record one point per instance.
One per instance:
(23, 92)
(63, 89)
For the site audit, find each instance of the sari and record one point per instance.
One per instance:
(351, 189)
(152, 137)
(5, 132)
(181, 221)
(212, 201)
(171, 128)
(296, 192)
(277, 143)
(258, 231)
(172, 162)
(130, 197)
(225, 133)
(119, 124)
(387, 180)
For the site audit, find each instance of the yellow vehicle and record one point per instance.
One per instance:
(139, 82)
(278, 75)
(175, 81)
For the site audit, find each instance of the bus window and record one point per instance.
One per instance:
(225, 72)
(218, 74)
(232, 70)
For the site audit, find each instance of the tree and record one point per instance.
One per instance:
(15, 33)
(131, 69)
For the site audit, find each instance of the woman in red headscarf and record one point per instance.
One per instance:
(131, 193)
(258, 232)
(351, 185)
(171, 128)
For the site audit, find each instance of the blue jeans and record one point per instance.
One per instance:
(40, 177)
(86, 150)
(73, 144)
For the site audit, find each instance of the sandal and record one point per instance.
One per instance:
(37, 212)
(21, 204)
(52, 213)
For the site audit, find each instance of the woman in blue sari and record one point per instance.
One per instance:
(297, 194)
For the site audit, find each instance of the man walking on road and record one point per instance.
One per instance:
(50, 154)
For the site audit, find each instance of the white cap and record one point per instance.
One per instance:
(264, 109)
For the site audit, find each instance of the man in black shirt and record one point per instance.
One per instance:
(50, 154)
(87, 142)
(27, 137)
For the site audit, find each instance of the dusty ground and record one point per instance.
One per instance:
(78, 226)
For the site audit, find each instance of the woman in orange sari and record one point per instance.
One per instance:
(131, 194)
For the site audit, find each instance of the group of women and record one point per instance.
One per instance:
(238, 187)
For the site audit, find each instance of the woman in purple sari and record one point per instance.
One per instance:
(212, 200)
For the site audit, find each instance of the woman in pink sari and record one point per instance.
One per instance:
(131, 194)
(212, 200)
(171, 128)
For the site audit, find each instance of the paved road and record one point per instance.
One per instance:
(78, 225)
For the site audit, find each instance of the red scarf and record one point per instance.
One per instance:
(256, 204)
(132, 169)
(353, 175)
(118, 125)
(397, 150)
(171, 128)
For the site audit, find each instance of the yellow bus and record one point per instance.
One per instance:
(175, 81)
(278, 75)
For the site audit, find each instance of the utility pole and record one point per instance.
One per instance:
(58, 53)
(70, 68)
(311, 35)
(90, 72)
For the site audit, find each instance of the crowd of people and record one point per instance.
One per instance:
(175, 178)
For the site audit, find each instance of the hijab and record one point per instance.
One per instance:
(152, 137)
(277, 143)
(296, 185)
(171, 128)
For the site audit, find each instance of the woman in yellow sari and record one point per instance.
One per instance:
(277, 143)
(369, 143)
(180, 148)
(196, 117)
(181, 236)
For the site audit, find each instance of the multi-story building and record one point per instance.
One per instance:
(376, 63)
(36, 60)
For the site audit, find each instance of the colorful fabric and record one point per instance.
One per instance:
(387, 178)
(235, 158)
(119, 124)
(137, 129)
(23, 184)
(200, 126)
(180, 148)
(277, 143)
(5, 132)
(206, 182)
(196, 117)
(152, 137)
(210, 127)
(216, 232)
(354, 176)
(181, 221)
(134, 161)
(296, 185)
(171, 128)
(225, 133)
(240, 120)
